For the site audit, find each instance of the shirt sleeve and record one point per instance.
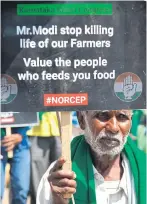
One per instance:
(44, 194)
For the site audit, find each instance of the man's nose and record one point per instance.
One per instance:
(112, 126)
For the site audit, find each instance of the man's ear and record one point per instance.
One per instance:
(81, 120)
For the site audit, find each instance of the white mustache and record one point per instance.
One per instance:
(104, 135)
(94, 141)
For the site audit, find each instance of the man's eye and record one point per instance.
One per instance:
(102, 116)
(122, 117)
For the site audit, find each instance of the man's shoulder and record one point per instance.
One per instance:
(77, 139)
(138, 154)
(75, 143)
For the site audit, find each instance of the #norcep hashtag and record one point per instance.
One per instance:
(48, 100)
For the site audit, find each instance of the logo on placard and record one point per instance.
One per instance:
(128, 87)
(9, 89)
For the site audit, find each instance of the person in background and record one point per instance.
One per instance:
(142, 133)
(20, 164)
(138, 130)
(136, 117)
(45, 148)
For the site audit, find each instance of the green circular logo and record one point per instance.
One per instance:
(128, 87)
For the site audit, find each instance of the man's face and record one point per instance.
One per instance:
(106, 131)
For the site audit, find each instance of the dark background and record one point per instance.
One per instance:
(126, 54)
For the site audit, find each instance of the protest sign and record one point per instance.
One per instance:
(18, 119)
(69, 55)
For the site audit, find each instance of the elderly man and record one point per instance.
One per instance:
(107, 166)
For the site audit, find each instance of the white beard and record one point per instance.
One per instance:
(101, 149)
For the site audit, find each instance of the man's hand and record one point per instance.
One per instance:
(10, 141)
(61, 182)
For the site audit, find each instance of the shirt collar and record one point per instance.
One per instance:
(123, 182)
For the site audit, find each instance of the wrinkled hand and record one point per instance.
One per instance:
(61, 182)
(129, 88)
(10, 141)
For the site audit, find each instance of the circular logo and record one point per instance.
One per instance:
(128, 87)
(8, 89)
